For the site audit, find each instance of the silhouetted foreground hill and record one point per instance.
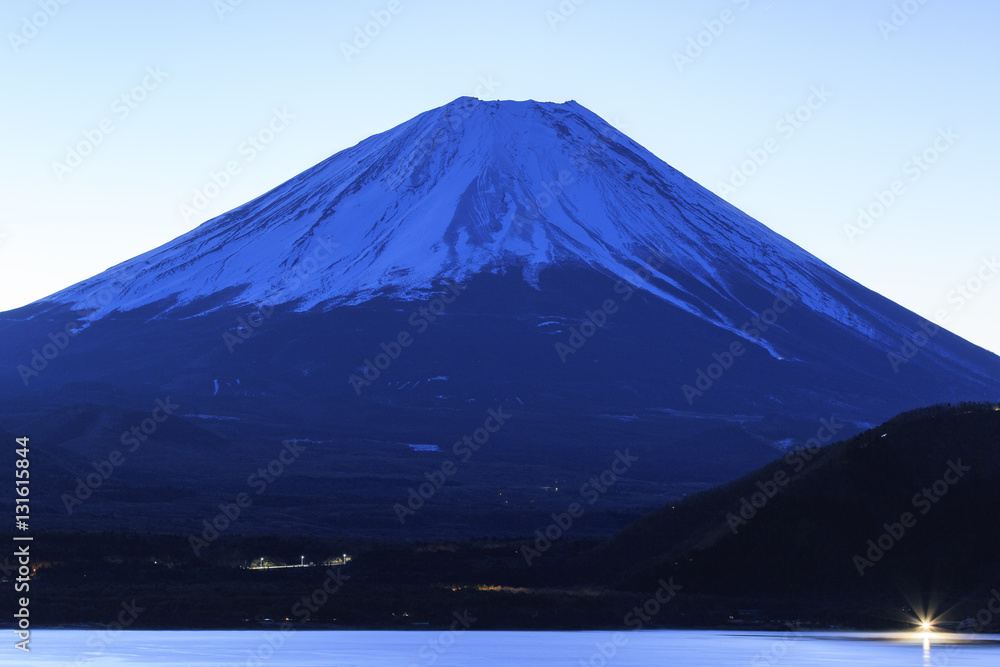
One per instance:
(904, 509)
(871, 532)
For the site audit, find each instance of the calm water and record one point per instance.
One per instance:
(488, 649)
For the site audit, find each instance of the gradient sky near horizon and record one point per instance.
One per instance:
(706, 86)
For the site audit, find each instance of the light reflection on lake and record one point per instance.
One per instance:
(62, 648)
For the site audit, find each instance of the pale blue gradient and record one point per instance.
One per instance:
(226, 76)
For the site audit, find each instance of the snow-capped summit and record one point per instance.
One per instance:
(469, 187)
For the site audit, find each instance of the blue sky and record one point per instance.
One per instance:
(800, 113)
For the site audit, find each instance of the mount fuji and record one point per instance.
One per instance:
(473, 187)
(520, 257)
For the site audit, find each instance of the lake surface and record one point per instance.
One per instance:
(72, 648)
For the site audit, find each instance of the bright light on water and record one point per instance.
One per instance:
(54, 648)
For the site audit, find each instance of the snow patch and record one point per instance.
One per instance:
(424, 448)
